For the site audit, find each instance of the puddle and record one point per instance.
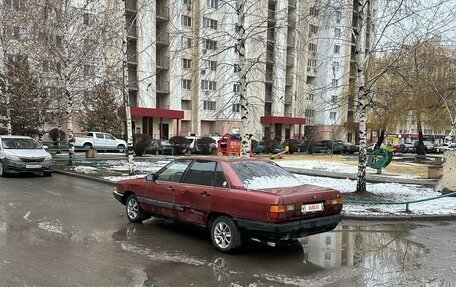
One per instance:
(375, 255)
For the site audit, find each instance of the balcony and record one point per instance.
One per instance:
(268, 77)
(292, 21)
(162, 13)
(271, 36)
(131, 5)
(162, 87)
(162, 62)
(187, 115)
(291, 40)
(292, 4)
(270, 56)
(288, 115)
(268, 97)
(162, 106)
(163, 38)
(132, 31)
(271, 15)
(288, 99)
(289, 81)
(290, 60)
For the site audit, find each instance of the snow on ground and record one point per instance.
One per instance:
(85, 169)
(335, 167)
(143, 167)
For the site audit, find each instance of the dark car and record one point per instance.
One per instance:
(158, 147)
(428, 146)
(328, 146)
(305, 146)
(407, 148)
(235, 198)
(349, 147)
(262, 148)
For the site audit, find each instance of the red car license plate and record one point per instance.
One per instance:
(314, 207)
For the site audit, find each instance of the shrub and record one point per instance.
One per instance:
(56, 133)
(204, 144)
(179, 143)
(3, 131)
(292, 145)
(253, 144)
(270, 144)
(140, 143)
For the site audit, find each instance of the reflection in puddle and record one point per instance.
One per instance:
(349, 256)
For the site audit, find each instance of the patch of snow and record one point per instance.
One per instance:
(178, 257)
(122, 177)
(11, 204)
(262, 182)
(85, 169)
(139, 277)
(54, 228)
(26, 216)
(393, 191)
(144, 167)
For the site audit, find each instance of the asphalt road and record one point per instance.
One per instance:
(63, 231)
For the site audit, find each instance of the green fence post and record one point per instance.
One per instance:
(407, 208)
(101, 168)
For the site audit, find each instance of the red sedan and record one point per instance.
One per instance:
(236, 198)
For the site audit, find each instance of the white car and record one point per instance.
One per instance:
(99, 140)
(23, 154)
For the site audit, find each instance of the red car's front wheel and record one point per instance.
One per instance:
(134, 211)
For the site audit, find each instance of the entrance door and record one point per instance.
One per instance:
(287, 133)
(278, 130)
(165, 131)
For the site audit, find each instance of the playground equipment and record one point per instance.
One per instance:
(229, 145)
(280, 154)
(379, 158)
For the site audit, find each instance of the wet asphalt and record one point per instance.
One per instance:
(64, 231)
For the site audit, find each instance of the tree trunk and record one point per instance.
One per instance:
(71, 154)
(240, 50)
(420, 148)
(8, 114)
(130, 152)
(380, 139)
(361, 64)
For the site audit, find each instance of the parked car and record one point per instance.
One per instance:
(192, 144)
(407, 148)
(428, 145)
(23, 154)
(98, 140)
(235, 198)
(329, 146)
(261, 148)
(158, 147)
(305, 146)
(349, 147)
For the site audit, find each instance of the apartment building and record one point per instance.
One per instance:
(327, 75)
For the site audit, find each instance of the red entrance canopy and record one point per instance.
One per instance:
(283, 120)
(156, 113)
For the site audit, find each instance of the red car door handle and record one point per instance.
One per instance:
(170, 188)
(205, 193)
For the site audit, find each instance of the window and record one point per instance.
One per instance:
(186, 21)
(187, 2)
(337, 32)
(209, 23)
(186, 63)
(208, 85)
(186, 42)
(58, 41)
(312, 47)
(336, 66)
(46, 65)
(87, 43)
(333, 99)
(209, 44)
(335, 83)
(309, 113)
(338, 16)
(15, 5)
(327, 255)
(336, 49)
(314, 11)
(210, 65)
(89, 19)
(174, 171)
(310, 97)
(236, 88)
(201, 173)
(220, 179)
(23, 34)
(186, 84)
(332, 115)
(311, 63)
(328, 240)
(99, 136)
(209, 105)
(313, 29)
(212, 4)
(89, 70)
(236, 108)
(109, 137)
(237, 69)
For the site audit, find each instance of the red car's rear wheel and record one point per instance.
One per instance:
(225, 235)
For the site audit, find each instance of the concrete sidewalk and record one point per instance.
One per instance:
(374, 178)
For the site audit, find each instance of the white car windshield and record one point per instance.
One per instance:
(20, 143)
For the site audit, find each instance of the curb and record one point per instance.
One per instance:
(369, 178)
(430, 217)
(344, 216)
(86, 177)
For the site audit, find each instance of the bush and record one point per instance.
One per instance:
(140, 143)
(204, 144)
(180, 144)
(270, 144)
(3, 131)
(253, 144)
(292, 145)
(56, 133)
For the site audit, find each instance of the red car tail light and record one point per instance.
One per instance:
(281, 212)
(334, 201)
